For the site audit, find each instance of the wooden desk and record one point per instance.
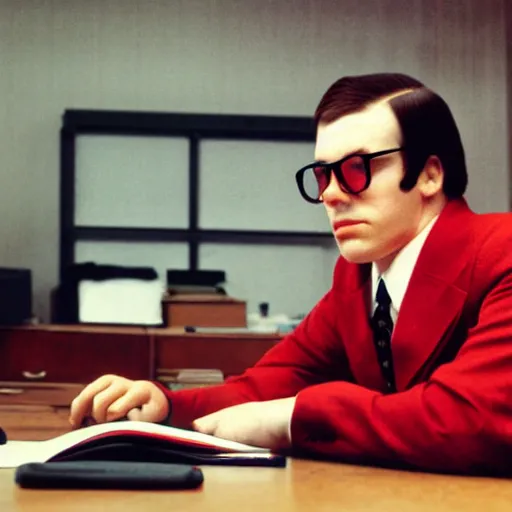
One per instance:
(303, 486)
(81, 353)
(42, 368)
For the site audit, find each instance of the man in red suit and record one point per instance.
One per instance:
(408, 357)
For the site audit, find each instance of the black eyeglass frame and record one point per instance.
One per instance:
(335, 167)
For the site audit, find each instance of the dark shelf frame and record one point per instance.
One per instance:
(195, 127)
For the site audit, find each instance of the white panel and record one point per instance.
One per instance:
(160, 256)
(121, 301)
(131, 181)
(290, 278)
(251, 185)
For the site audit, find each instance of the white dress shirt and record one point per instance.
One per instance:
(399, 273)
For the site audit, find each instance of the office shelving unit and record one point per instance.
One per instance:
(196, 128)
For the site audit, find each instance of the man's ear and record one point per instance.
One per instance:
(431, 178)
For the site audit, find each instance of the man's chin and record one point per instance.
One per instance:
(355, 255)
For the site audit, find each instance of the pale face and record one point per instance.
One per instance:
(383, 218)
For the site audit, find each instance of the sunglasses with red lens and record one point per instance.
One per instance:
(352, 172)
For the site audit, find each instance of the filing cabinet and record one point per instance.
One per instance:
(73, 353)
(42, 368)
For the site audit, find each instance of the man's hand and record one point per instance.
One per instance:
(112, 397)
(264, 424)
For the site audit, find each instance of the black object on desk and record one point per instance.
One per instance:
(15, 295)
(107, 475)
(3, 436)
(211, 278)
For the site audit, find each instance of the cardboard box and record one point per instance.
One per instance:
(204, 310)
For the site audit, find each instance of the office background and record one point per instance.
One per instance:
(243, 57)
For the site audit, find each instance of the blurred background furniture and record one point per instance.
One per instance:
(42, 368)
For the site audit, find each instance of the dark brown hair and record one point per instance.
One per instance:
(427, 124)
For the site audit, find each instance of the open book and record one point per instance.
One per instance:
(137, 441)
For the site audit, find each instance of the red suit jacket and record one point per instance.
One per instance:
(452, 352)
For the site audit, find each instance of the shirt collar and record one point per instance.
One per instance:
(399, 273)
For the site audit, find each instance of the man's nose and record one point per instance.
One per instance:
(334, 194)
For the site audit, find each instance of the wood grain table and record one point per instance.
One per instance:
(302, 486)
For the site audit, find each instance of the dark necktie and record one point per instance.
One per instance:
(382, 326)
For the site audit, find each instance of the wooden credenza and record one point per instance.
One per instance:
(42, 368)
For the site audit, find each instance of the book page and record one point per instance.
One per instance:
(15, 453)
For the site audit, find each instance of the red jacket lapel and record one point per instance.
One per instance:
(436, 293)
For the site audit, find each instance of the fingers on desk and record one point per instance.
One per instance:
(95, 398)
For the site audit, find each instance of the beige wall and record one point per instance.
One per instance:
(226, 56)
